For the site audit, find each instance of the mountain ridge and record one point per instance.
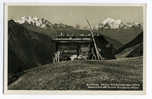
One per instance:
(134, 48)
(106, 23)
(28, 47)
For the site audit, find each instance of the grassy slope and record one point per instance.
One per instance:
(122, 35)
(133, 48)
(75, 75)
(128, 51)
(116, 44)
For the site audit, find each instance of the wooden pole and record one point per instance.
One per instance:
(99, 57)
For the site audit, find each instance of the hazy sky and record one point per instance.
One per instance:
(73, 15)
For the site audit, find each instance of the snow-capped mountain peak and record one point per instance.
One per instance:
(110, 23)
(34, 20)
(114, 24)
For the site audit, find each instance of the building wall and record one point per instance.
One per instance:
(72, 48)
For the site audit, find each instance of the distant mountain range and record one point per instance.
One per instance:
(110, 23)
(35, 21)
